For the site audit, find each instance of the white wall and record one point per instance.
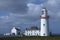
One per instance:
(32, 33)
(14, 31)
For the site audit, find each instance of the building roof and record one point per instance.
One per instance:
(17, 28)
(33, 28)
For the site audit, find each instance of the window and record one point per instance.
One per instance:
(44, 34)
(29, 34)
(37, 34)
(13, 34)
(43, 24)
(42, 12)
(18, 33)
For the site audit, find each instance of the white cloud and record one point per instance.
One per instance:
(34, 9)
(52, 2)
(4, 17)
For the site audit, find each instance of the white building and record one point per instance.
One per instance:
(44, 23)
(15, 31)
(7, 34)
(33, 31)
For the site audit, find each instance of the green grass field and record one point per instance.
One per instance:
(31, 38)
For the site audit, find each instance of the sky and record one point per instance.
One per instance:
(26, 13)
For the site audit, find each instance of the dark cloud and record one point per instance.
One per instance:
(15, 6)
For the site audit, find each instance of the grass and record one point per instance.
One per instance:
(31, 38)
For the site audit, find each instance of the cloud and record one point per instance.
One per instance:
(24, 13)
(15, 6)
(37, 1)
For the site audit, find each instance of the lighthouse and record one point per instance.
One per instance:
(44, 23)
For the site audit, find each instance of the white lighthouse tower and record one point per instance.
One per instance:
(44, 23)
